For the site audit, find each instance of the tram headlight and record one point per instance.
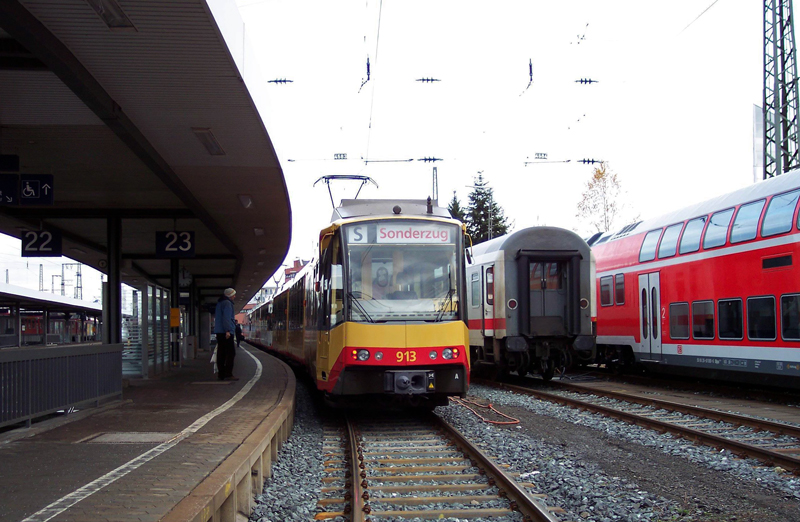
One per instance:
(362, 355)
(378, 356)
(433, 355)
(447, 353)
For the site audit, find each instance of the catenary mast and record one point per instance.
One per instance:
(780, 89)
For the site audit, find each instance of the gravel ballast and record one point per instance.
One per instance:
(597, 469)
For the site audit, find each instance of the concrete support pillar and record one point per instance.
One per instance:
(113, 298)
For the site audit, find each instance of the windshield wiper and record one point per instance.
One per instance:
(445, 303)
(354, 300)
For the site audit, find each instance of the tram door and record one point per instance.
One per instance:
(650, 316)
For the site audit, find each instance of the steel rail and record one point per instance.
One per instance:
(521, 500)
(770, 457)
(698, 411)
(357, 500)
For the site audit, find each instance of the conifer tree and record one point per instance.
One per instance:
(485, 218)
(455, 209)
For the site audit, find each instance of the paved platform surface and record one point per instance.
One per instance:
(42, 469)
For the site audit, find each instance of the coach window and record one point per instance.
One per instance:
(679, 320)
(780, 212)
(606, 298)
(669, 243)
(761, 318)
(703, 319)
(619, 289)
(730, 319)
(475, 284)
(690, 241)
(717, 229)
(648, 251)
(790, 317)
(745, 226)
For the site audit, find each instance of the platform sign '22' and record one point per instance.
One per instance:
(175, 244)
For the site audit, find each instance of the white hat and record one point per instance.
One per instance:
(229, 292)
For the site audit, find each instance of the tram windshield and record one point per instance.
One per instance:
(402, 270)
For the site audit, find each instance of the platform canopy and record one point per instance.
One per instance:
(150, 112)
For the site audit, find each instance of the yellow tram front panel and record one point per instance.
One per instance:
(392, 346)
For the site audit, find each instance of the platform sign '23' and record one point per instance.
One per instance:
(175, 244)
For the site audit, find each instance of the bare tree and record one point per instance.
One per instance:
(600, 206)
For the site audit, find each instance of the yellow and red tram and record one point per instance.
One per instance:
(381, 311)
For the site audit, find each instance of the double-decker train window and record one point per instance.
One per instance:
(619, 289)
(669, 243)
(648, 251)
(679, 320)
(731, 319)
(780, 211)
(690, 241)
(717, 230)
(606, 297)
(761, 318)
(790, 317)
(745, 225)
(703, 319)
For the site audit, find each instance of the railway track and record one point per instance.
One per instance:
(390, 469)
(773, 443)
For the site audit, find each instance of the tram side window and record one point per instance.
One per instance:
(679, 320)
(690, 242)
(606, 298)
(619, 289)
(648, 251)
(730, 319)
(780, 212)
(703, 319)
(475, 286)
(745, 225)
(717, 229)
(337, 284)
(761, 318)
(669, 243)
(790, 317)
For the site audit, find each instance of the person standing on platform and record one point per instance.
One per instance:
(239, 334)
(225, 328)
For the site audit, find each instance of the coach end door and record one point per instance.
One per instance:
(650, 316)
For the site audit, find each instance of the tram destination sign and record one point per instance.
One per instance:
(175, 243)
(41, 243)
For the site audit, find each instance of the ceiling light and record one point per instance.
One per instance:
(208, 140)
(111, 13)
(246, 200)
(262, 251)
(78, 250)
(260, 263)
(258, 231)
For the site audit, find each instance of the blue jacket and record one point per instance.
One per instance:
(223, 317)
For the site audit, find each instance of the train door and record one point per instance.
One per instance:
(650, 316)
(487, 323)
(548, 297)
(323, 290)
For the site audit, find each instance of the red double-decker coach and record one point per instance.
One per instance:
(711, 289)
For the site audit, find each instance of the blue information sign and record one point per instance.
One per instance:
(41, 243)
(175, 244)
(9, 184)
(36, 189)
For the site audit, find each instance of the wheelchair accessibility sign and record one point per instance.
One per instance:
(36, 189)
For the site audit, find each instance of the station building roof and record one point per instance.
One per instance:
(27, 298)
(150, 111)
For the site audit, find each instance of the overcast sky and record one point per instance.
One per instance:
(672, 113)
